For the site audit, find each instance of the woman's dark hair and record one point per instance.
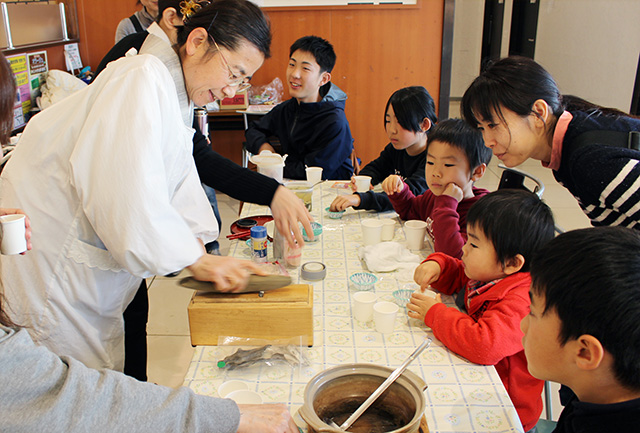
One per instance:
(515, 83)
(166, 4)
(229, 23)
(589, 277)
(411, 106)
(515, 221)
(7, 99)
(319, 48)
(457, 133)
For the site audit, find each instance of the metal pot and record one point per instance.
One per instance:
(336, 393)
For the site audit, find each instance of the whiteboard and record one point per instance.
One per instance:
(291, 3)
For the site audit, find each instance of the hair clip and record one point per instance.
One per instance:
(190, 7)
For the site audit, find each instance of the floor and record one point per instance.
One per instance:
(170, 349)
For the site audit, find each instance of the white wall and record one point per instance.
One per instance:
(591, 47)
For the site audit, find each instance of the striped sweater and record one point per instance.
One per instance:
(604, 179)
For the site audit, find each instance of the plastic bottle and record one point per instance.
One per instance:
(278, 245)
(259, 244)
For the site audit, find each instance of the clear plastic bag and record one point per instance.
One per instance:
(267, 353)
(268, 94)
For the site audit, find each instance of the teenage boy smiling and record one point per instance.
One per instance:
(311, 126)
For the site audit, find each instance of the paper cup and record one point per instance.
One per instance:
(13, 234)
(384, 316)
(230, 386)
(388, 229)
(415, 230)
(314, 174)
(362, 306)
(363, 183)
(244, 396)
(371, 231)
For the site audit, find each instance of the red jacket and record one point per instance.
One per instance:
(446, 218)
(490, 333)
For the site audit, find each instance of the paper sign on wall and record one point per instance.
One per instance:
(38, 68)
(72, 57)
(22, 105)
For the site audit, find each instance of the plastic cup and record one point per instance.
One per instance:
(363, 183)
(302, 189)
(230, 386)
(371, 231)
(13, 234)
(388, 229)
(384, 316)
(244, 396)
(362, 306)
(415, 231)
(314, 174)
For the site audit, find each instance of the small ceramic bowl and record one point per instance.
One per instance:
(402, 297)
(244, 396)
(363, 281)
(230, 386)
(317, 231)
(336, 215)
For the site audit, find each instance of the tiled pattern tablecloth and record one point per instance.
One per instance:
(462, 396)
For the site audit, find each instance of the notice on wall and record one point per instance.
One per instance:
(72, 57)
(38, 68)
(19, 66)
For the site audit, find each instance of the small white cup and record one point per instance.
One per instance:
(388, 229)
(314, 174)
(384, 316)
(371, 231)
(362, 307)
(244, 396)
(230, 386)
(363, 183)
(13, 234)
(415, 231)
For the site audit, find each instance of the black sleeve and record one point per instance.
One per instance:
(228, 177)
(134, 40)
(377, 201)
(380, 168)
(258, 132)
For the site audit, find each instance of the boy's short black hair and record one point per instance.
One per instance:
(591, 278)
(457, 133)
(321, 49)
(515, 221)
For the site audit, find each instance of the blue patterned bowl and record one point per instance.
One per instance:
(363, 281)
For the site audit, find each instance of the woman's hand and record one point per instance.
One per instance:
(420, 304)
(427, 273)
(392, 184)
(287, 210)
(27, 224)
(342, 202)
(266, 418)
(228, 273)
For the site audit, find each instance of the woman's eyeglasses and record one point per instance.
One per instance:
(241, 82)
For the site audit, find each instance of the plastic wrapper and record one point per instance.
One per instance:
(268, 94)
(261, 353)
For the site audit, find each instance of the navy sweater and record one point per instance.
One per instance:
(313, 134)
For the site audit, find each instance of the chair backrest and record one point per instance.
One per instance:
(515, 178)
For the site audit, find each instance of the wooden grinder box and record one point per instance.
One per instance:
(279, 314)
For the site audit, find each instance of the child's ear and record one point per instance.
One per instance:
(514, 264)
(590, 352)
(425, 125)
(478, 172)
(326, 77)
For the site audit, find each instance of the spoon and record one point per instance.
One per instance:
(382, 388)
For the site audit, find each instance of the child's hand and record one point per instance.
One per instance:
(427, 273)
(342, 202)
(392, 184)
(419, 305)
(453, 190)
(352, 185)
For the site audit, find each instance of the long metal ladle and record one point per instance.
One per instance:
(382, 388)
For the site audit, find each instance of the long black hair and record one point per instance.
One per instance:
(230, 23)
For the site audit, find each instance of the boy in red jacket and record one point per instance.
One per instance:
(504, 229)
(456, 158)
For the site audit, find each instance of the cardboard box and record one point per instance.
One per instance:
(239, 102)
(278, 315)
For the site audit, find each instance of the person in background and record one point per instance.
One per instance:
(40, 391)
(139, 21)
(583, 331)
(456, 158)
(409, 114)
(505, 229)
(311, 126)
(518, 107)
(123, 200)
(214, 171)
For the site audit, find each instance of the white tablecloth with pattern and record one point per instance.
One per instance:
(461, 397)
